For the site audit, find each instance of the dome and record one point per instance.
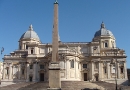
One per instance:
(103, 31)
(30, 34)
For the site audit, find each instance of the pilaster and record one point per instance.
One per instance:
(34, 71)
(108, 70)
(27, 77)
(125, 70)
(92, 70)
(100, 71)
(19, 71)
(4, 70)
(118, 70)
(10, 71)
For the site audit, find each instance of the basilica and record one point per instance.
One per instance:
(97, 60)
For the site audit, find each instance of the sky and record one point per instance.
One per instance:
(78, 21)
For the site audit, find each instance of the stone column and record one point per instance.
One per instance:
(100, 71)
(39, 69)
(125, 70)
(34, 72)
(4, 70)
(27, 73)
(19, 70)
(10, 71)
(118, 71)
(108, 70)
(66, 69)
(75, 66)
(92, 50)
(92, 71)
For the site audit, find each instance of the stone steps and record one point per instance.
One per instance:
(65, 85)
(111, 86)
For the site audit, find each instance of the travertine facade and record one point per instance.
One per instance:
(98, 60)
(79, 61)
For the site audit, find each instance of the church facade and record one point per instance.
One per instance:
(98, 60)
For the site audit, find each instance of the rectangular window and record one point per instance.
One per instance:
(31, 51)
(22, 71)
(105, 70)
(72, 64)
(78, 65)
(7, 71)
(113, 69)
(31, 66)
(96, 65)
(106, 44)
(41, 66)
(26, 47)
(121, 69)
(84, 65)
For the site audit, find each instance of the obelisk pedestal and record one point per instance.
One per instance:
(54, 76)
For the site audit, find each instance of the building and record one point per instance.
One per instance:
(1, 69)
(98, 60)
(128, 73)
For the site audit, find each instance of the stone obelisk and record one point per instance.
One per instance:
(54, 68)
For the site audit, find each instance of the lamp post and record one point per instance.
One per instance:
(115, 50)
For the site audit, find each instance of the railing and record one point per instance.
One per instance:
(31, 43)
(85, 69)
(103, 54)
(36, 55)
(21, 50)
(14, 56)
(75, 42)
(68, 52)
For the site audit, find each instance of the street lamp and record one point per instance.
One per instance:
(114, 61)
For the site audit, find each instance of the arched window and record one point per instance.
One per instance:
(72, 64)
